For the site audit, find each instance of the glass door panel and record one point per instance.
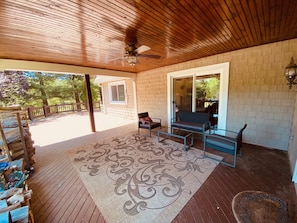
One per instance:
(207, 95)
(200, 89)
(183, 88)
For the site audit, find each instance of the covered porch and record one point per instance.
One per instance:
(60, 195)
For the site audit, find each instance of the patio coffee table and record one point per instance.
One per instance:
(178, 134)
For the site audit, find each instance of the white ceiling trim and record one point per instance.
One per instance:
(106, 79)
(23, 65)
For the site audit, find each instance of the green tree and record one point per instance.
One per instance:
(14, 88)
(207, 88)
(40, 87)
(213, 88)
(201, 89)
(50, 89)
(95, 90)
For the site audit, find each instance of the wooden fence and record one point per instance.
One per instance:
(45, 111)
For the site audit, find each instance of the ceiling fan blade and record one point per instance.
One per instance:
(149, 56)
(117, 58)
(142, 49)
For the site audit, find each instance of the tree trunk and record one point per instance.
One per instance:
(43, 93)
(76, 93)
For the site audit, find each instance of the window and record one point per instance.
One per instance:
(117, 92)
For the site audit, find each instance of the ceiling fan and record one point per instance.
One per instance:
(132, 52)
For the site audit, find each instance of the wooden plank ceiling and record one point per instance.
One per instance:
(95, 33)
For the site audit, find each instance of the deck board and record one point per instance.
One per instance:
(60, 196)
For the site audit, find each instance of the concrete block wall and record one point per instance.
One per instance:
(258, 92)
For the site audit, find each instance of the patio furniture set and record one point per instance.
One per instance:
(187, 123)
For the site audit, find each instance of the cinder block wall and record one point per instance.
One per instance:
(258, 92)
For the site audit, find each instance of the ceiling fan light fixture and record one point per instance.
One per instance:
(132, 59)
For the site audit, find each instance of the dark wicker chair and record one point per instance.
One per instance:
(225, 141)
(146, 122)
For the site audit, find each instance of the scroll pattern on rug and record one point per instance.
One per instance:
(148, 175)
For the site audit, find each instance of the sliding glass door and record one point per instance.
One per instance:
(183, 93)
(204, 98)
(203, 89)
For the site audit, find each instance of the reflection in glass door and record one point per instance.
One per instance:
(183, 88)
(206, 98)
(207, 89)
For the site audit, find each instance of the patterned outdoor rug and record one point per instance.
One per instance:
(259, 207)
(137, 179)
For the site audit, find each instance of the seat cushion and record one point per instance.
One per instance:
(149, 125)
(197, 117)
(220, 144)
(191, 126)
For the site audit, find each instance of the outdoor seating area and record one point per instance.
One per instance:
(188, 123)
(81, 207)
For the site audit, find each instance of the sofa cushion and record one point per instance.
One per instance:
(191, 126)
(149, 125)
(199, 117)
(220, 142)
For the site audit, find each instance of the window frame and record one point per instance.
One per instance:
(110, 93)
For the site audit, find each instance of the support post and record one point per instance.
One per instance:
(90, 102)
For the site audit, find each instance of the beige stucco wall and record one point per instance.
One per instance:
(258, 93)
(127, 111)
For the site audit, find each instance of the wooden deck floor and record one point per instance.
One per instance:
(60, 196)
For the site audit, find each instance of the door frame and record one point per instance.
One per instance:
(222, 69)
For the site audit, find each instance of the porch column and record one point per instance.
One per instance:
(90, 102)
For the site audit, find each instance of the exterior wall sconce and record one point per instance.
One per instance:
(291, 73)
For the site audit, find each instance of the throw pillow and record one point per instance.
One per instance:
(145, 120)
